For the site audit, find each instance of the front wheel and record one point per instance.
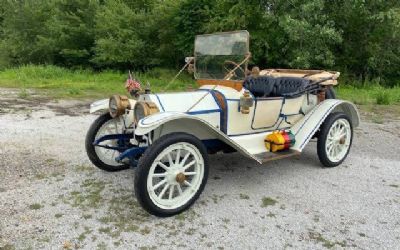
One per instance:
(104, 158)
(335, 139)
(171, 174)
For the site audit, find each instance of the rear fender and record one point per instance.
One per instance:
(309, 124)
(169, 122)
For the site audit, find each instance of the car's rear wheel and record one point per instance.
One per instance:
(335, 139)
(171, 174)
(330, 93)
(104, 158)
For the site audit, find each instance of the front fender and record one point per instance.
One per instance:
(168, 122)
(103, 105)
(309, 124)
(99, 105)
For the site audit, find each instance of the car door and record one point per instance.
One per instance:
(266, 112)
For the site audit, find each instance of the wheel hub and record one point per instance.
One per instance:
(175, 175)
(180, 178)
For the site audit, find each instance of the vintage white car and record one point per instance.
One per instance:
(264, 115)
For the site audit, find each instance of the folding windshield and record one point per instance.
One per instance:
(217, 54)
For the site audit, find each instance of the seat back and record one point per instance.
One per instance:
(288, 85)
(261, 86)
(267, 86)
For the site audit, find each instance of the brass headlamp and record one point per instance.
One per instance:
(118, 104)
(144, 109)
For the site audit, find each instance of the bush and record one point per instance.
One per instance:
(383, 98)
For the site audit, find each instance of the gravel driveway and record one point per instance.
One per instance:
(51, 197)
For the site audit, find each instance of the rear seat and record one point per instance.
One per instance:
(267, 86)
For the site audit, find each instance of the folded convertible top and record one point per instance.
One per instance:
(313, 75)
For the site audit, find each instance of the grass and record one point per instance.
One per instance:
(268, 201)
(369, 94)
(59, 82)
(35, 206)
(244, 196)
(318, 237)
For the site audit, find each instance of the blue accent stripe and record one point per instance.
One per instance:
(317, 127)
(201, 112)
(222, 125)
(224, 113)
(158, 98)
(310, 114)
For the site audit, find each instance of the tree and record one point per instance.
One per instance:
(294, 33)
(70, 36)
(124, 37)
(22, 25)
(371, 41)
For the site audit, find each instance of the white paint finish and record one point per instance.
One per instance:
(163, 119)
(238, 123)
(242, 136)
(182, 101)
(266, 113)
(293, 105)
(309, 102)
(151, 122)
(306, 127)
(253, 143)
(99, 105)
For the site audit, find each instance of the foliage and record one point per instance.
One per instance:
(70, 36)
(125, 41)
(360, 38)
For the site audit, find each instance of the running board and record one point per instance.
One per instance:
(269, 156)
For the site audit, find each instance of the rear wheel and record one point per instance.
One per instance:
(171, 174)
(101, 157)
(330, 93)
(335, 139)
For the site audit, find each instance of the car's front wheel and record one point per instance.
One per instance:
(171, 174)
(101, 157)
(335, 138)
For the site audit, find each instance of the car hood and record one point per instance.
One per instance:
(196, 101)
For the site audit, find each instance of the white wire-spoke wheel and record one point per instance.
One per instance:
(101, 157)
(335, 139)
(171, 174)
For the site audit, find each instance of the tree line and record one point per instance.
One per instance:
(358, 37)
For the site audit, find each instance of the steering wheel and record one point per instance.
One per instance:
(229, 71)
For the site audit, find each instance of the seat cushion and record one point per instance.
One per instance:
(267, 86)
(289, 85)
(261, 86)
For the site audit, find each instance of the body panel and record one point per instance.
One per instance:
(306, 127)
(99, 105)
(168, 122)
(205, 126)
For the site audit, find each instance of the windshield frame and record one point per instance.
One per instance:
(216, 34)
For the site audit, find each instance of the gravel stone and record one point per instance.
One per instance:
(44, 166)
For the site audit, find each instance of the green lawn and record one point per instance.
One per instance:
(64, 83)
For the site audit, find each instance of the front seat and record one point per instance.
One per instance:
(268, 86)
(261, 86)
